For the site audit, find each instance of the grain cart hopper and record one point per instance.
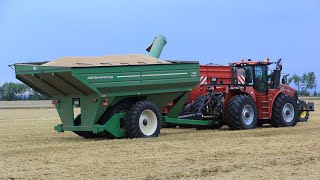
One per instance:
(118, 95)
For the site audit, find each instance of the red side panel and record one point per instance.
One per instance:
(207, 73)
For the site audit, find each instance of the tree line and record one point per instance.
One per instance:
(305, 83)
(11, 91)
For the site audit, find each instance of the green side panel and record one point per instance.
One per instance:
(178, 104)
(139, 80)
(56, 84)
(37, 69)
(113, 125)
(166, 119)
(91, 109)
(163, 99)
(64, 107)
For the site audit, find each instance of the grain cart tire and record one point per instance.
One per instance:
(84, 134)
(284, 111)
(119, 107)
(303, 115)
(241, 113)
(144, 120)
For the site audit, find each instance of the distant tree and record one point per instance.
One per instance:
(315, 93)
(1, 92)
(34, 95)
(296, 79)
(10, 90)
(304, 92)
(304, 83)
(309, 80)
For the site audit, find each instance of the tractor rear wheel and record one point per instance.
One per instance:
(143, 120)
(241, 113)
(284, 111)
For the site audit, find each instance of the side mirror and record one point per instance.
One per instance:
(284, 80)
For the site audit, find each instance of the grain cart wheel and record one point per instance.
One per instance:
(144, 120)
(284, 111)
(241, 113)
(303, 115)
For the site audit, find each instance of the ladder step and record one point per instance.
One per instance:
(265, 118)
(265, 113)
(265, 107)
(264, 101)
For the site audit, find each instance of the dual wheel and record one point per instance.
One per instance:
(242, 112)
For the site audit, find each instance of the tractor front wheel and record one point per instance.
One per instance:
(144, 120)
(284, 111)
(241, 113)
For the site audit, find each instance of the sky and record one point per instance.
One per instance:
(208, 31)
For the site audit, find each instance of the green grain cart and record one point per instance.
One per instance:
(121, 98)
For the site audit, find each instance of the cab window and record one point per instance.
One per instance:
(260, 78)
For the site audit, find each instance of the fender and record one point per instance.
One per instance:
(230, 93)
(273, 94)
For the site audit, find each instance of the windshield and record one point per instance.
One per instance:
(243, 75)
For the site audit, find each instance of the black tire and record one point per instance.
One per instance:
(84, 134)
(260, 123)
(137, 129)
(216, 125)
(186, 109)
(303, 115)
(284, 111)
(241, 113)
(119, 107)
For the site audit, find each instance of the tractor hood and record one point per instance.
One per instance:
(289, 89)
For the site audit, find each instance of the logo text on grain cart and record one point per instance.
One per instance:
(99, 77)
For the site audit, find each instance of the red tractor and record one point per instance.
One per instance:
(245, 95)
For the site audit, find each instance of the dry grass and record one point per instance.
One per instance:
(25, 104)
(31, 149)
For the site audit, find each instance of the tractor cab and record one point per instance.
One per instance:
(255, 74)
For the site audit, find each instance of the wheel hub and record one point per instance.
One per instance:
(145, 122)
(288, 112)
(148, 122)
(247, 114)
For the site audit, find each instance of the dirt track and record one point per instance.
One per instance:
(31, 149)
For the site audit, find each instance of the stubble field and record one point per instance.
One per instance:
(31, 149)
